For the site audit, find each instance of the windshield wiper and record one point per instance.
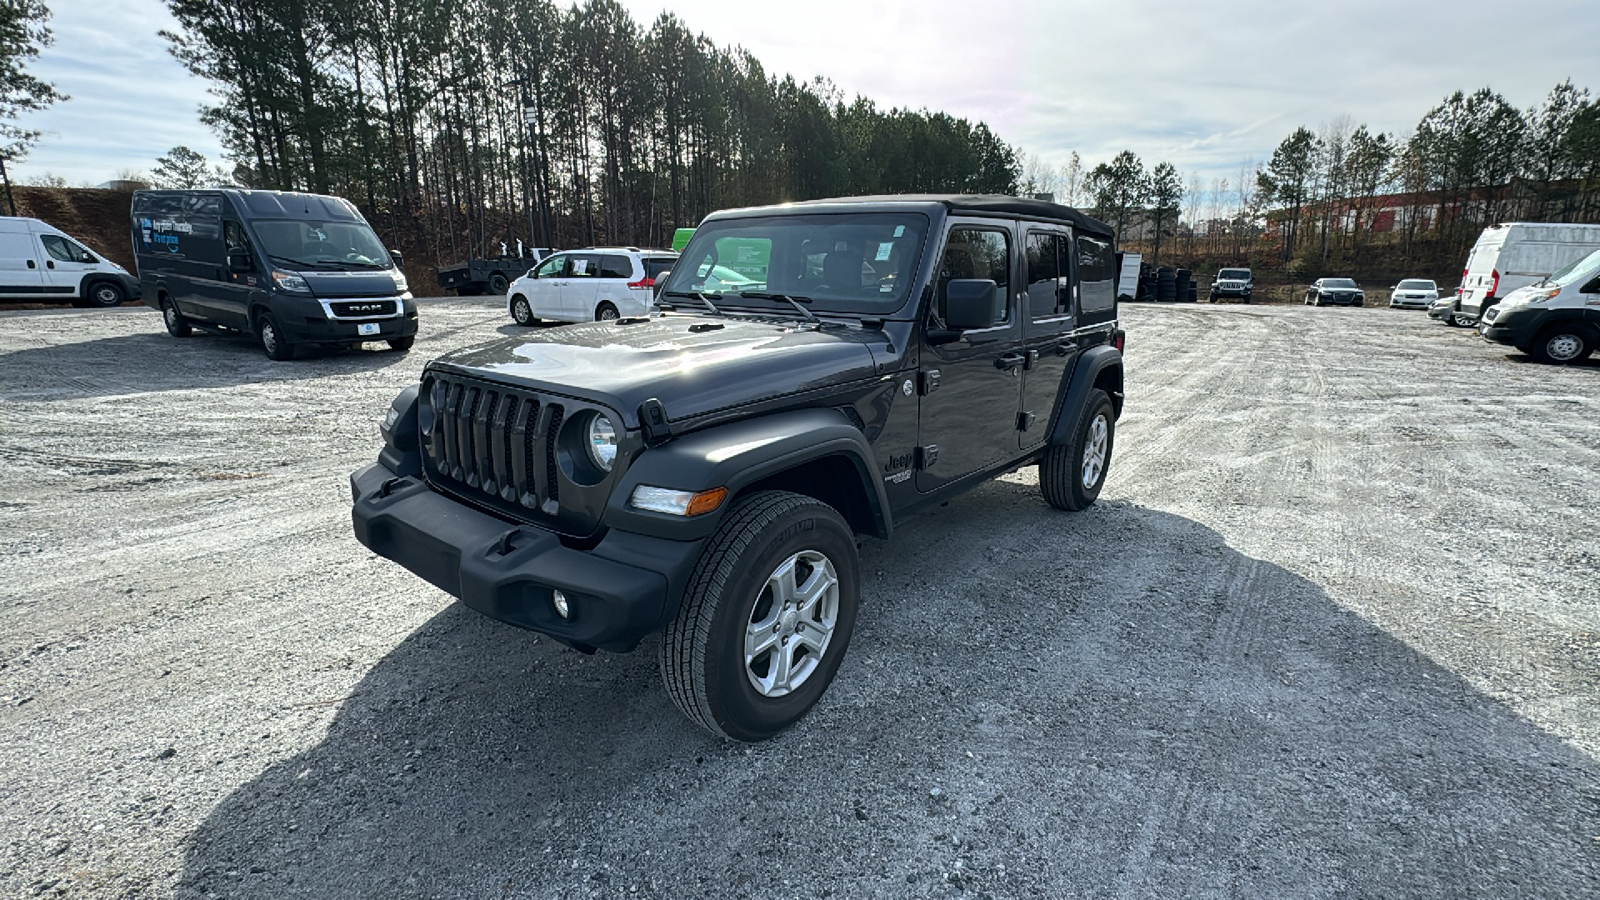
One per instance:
(792, 301)
(696, 295)
(291, 261)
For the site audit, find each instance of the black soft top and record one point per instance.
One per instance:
(985, 204)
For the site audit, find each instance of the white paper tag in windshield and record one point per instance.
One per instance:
(884, 249)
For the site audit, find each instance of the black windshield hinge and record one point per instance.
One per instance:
(1025, 421)
(930, 381)
(927, 456)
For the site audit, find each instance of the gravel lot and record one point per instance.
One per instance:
(1332, 631)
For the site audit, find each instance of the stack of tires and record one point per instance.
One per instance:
(1166, 285)
(1182, 279)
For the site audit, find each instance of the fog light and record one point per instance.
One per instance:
(559, 601)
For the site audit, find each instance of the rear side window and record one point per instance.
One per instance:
(616, 267)
(656, 266)
(1096, 275)
(978, 253)
(1048, 271)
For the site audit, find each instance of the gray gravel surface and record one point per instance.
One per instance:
(1332, 631)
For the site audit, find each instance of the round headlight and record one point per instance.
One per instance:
(602, 441)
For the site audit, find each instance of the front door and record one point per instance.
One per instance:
(543, 290)
(1048, 341)
(230, 293)
(971, 387)
(65, 264)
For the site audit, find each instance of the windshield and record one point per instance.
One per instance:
(1338, 283)
(1235, 274)
(1576, 271)
(1413, 284)
(321, 245)
(856, 262)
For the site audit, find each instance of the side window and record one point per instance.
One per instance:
(1048, 275)
(551, 268)
(233, 235)
(977, 253)
(1097, 290)
(586, 266)
(616, 267)
(60, 248)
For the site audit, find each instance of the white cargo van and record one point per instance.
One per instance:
(1555, 319)
(1516, 255)
(40, 263)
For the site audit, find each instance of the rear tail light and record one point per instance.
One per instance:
(1119, 340)
(1494, 286)
(644, 283)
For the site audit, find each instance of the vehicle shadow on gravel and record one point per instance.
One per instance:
(1034, 704)
(123, 365)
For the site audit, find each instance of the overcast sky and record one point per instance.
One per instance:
(1203, 85)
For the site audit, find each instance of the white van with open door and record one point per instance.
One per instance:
(41, 264)
(1515, 255)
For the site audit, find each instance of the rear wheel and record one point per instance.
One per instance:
(498, 283)
(522, 312)
(106, 294)
(1564, 343)
(766, 617)
(273, 341)
(177, 325)
(1071, 474)
(605, 312)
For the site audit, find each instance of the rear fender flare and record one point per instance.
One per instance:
(738, 455)
(1075, 390)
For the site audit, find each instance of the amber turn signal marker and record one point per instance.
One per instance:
(706, 501)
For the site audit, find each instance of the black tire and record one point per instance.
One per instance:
(1064, 469)
(273, 343)
(402, 344)
(106, 294)
(605, 312)
(499, 283)
(177, 325)
(1564, 343)
(1461, 321)
(522, 312)
(703, 653)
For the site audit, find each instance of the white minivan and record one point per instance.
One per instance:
(594, 285)
(1555, 319)
(40, 263)
(1514, 255)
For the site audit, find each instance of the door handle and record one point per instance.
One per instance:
(31, 265)
(49, 264)
(1010, 361)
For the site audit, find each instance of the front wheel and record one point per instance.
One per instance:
(1461, 321)
(177, 325)
(766, 617)
(1071, 474)
(1564, 344)
(522, 312)
(106, 294)
(402, 344)
(273, 342)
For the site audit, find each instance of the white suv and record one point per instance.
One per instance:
(591, 285)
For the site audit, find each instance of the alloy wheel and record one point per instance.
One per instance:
(792, 624)
(1094, 451)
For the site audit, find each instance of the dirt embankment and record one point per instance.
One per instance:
(98, 218)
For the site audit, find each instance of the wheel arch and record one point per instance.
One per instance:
(1099, 367)
(814, 452)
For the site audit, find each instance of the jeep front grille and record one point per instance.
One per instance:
(492, 442)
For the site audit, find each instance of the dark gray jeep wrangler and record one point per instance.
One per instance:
(823, 370)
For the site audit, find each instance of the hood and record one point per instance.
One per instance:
(692, 364)
(329, 285)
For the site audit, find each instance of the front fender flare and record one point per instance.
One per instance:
(1076, 389)
(737, 455)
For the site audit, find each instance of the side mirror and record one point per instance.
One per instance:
(399, 261)
(239, 260)
(971, 303)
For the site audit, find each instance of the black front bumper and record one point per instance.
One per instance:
(618, 591)
(1516, 326)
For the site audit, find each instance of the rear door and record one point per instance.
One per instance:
(971, 387)
(579, 288)
(20, 276)
(65, 263)
(1049, 346)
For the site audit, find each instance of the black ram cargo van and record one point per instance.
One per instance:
(291, 269)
